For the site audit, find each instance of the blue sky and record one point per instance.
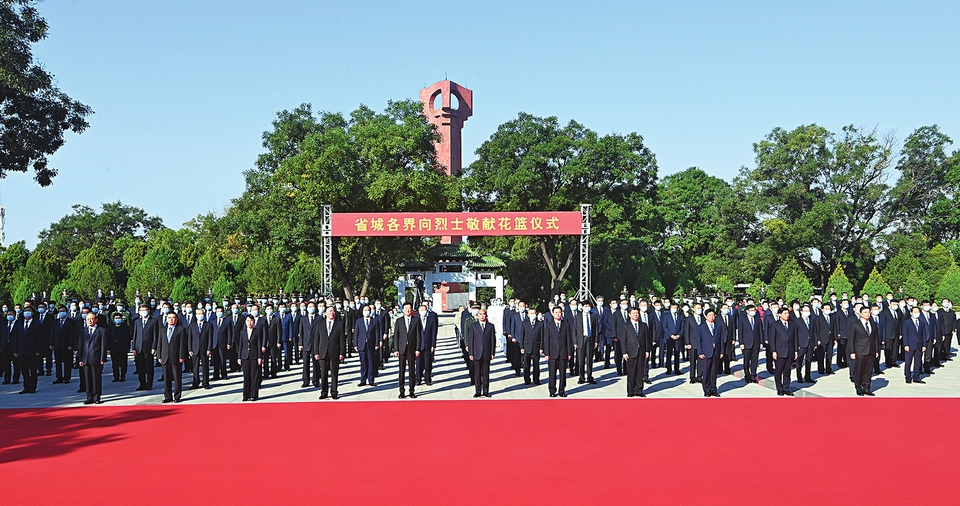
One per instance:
(183, 90)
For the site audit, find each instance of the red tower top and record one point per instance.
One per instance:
(447, 105)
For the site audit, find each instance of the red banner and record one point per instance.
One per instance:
(454, 224)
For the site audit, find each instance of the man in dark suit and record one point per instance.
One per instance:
(406, 332)
(711, 346)
(827, 331)
(635, 338)
(655, 319)
(586, 343)
(936, 334)
(672, 334)
(11, 364)
(273, 328)
(219, 339)
(690, 326)
(30, 347)
(914, 332)
(237, 324)
(618, 317)
(44, 320)
(603, 313)
(574, 316)
(305, 338)
(806, 344)
(328, 352)
(248, 341)
(482, 345)
(862, 348)
(750, 338)
(558, 347)
(367, 343)
(844, 316)
(91, 355)
(728, 319)
(119, 337)
(172, 352)
(890, 337)
(145, 336)
(530, 337)
(62, 339)
(200, 349)
(948, 322)
(428, 344)
(783, 339)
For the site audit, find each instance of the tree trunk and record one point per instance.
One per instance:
(557, 271)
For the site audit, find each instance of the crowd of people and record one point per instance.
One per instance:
(262, 338)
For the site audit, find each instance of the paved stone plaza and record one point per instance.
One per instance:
(451, 382)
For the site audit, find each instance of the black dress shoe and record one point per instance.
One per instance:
(692, 381)
(553, 395)
(429, 382)
(779, 393)
(57, 382)
(920, 381)
(645, 380)
(788, 393)
(402, 396)
(97, 401)
(716, 394)
(869, 393)
(177, 401)
(562, 394)
(372, 383)
(114, 380)
(707, 394)
(413, 395)
(641, 394)
(335, 396)
(476, 396)
(591, 381)
(323, 396)
(166, 401)
(7, 382)
(581, 381)
(305, 385)
(79, 390)
(88, 401)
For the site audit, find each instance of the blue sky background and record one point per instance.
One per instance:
(183, 90)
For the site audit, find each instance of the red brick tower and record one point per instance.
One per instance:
(447, 105)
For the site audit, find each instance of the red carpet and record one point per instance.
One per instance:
(564, 451)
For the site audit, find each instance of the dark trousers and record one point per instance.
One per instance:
(655, 355)
(46, 357)
(890, 352)
(28, 367)
(728, 355)
(219, 363)
(634, 368)
(927, 355)
(368, 364)
(557, 367)
(64, 364)
(531, 360)
(913, 364)
(232, 360)
(201, 369)
(276, 359)
(708, 372)
(329, 374)
(672, 352)
(425, 366)
(842, 357)
(144, 363)
(862, 369)
(770, 362)
(481, 373)
(804, 357)
(694, 359)
(826, 357)
(11, 366)
(118, 361)
(750, 358)
(584, 364)
(172, 380)
(93, 380)
(614, 348)
(251, 379)
(408, 360)
(308, 362)
(288, 353)
(781, 373)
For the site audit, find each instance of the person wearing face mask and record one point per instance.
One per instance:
(366, 341)
(574, 315)
(306, 331)
(806, 344)
(383, 317)
(119, 335)
(891, 322)
(749, 338)
(915, 334)
(327, 351)
(30, 345)
(62, 340)
(200, 350)
(8, 345)
(620, 319)
(219, 339)
(481, 344)
(673, 332)
(602, 312)
(428, 344)
(273, 327)
(92, 354)
(145, 332)
(826, 328)
(43, 321)
(862, 348)
(406, 332)
(690, 340)
(948, 320)
(933, 324)
(844, 317)
(608, 322)
(783, 339)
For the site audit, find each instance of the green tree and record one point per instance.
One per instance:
(25, 291)
(304, 275)
(184, 291)
(12, 258)
(950, 285)
(156, 274)
(264, 272)
(839, 283)
(535, 164)
(799, 288)
(875, 284)
(754, 291)
(368, 162)
(208, 268)
(929, 185)
(42, 269)
(935, 264)
(225, 288)
(90, 272)
(34, 113)
(822, 196)
(916, 286)
(788, 270)
(724, 285)
(899, 268)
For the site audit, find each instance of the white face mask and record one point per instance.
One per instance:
(752, 313)
(826, 311)
(698, 312)
(423, 313)
(143, 314)
(366, 314)
(915, 316)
